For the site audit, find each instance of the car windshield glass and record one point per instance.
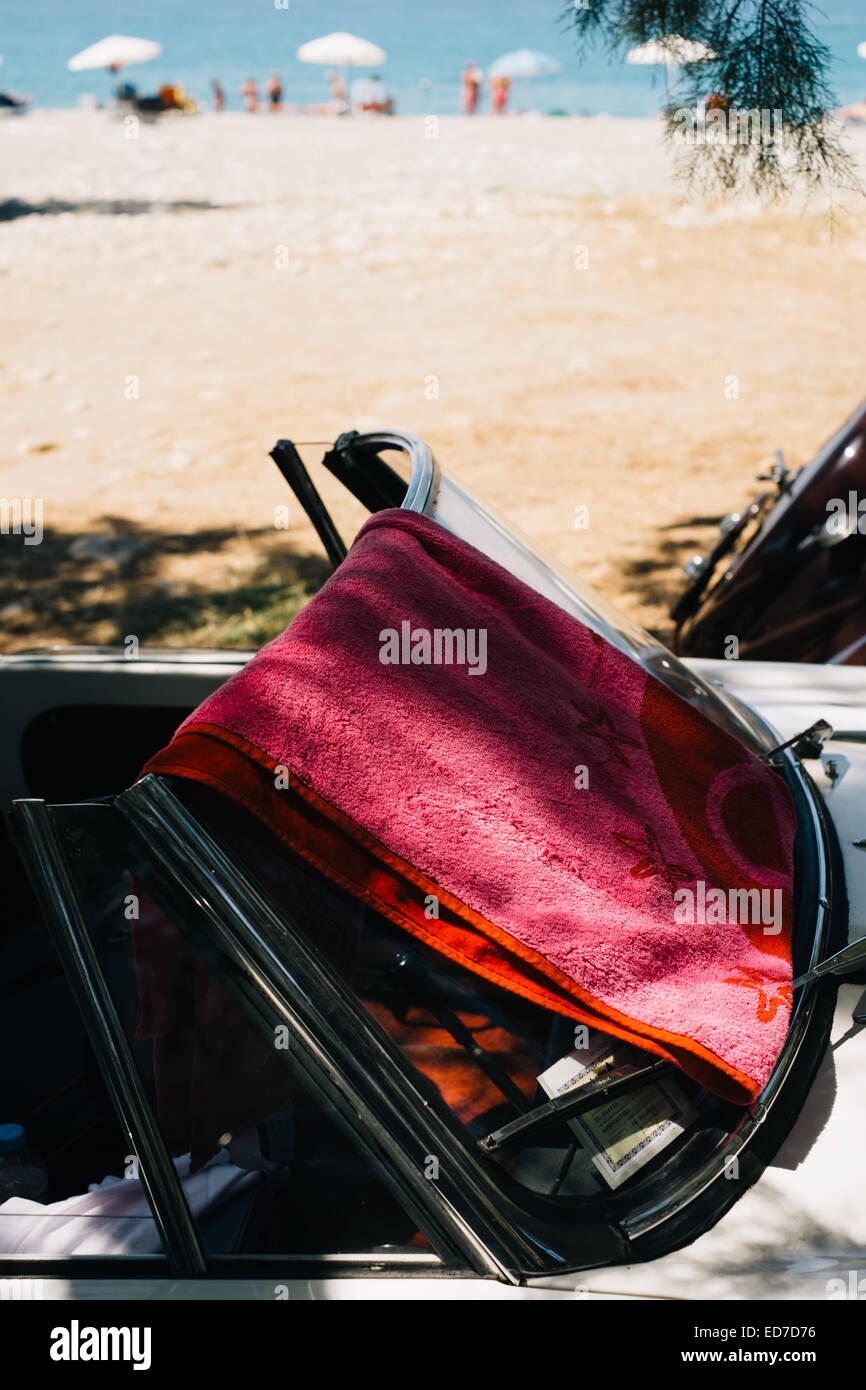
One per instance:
(460, 513)
(495, 1061)
(559, 1117)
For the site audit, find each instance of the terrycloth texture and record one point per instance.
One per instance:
(403, 780)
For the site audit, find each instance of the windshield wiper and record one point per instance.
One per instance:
(408, 974)
(291, 465)
(851, 957)
(807, 744)
(617, 1081)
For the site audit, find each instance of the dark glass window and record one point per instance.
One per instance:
(51, 1086)
(265, 1169)
(481, 1049)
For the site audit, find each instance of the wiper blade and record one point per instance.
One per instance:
(617, 1081)
(291, 465)
(408, 973)
(851, 957)
(807, 744)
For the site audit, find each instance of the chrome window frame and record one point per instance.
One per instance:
(47, 867)
(343, 1055)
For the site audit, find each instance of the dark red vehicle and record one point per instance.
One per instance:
(787, 577)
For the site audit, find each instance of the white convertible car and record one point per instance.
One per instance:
(389, 1146)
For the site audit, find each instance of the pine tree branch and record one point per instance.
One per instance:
(766, 62)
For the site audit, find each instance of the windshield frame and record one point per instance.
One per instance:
(477, 1218)
(477, 1206)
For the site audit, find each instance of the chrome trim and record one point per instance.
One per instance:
(399, 1259)
(58, 654)
(424, 475)
(44, 858)
(714, 1166)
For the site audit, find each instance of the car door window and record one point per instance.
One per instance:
(62, 1137)
(264, 1167)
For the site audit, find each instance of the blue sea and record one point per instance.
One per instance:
(426, 43)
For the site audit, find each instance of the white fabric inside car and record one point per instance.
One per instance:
(113, 1217)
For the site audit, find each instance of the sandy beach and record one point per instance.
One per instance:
(529, 295)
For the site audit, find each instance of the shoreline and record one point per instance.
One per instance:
(368, 118)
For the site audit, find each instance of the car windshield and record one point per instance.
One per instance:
(242, 1059)
(234, 1099)
(412, 480)
(455, 509)
(494, 1060)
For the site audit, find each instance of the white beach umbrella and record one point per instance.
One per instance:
(117, 51)
(524, 62)
(342, 51)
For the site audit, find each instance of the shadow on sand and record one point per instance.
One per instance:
(237, 589)
(13, 208)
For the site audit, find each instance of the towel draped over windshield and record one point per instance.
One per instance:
(500, 781)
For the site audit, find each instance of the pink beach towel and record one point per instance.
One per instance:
(430, 727)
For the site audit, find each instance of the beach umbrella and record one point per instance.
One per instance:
(117, 51)
(342, 51)
(524, 62)
(669, 51)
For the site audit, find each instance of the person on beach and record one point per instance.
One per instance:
(219, 96)
(274, 91)
(499, 89)
(337, 86)
(369, 94)
(338, 106)
(250, 94)
(471, 88)
(10, 101)
(857, 112)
